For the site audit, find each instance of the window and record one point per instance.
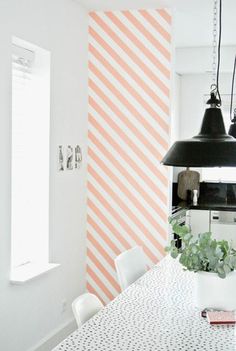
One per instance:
(30, 155)
(223, 174)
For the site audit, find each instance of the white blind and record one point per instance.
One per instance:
(22, 63)
(19, 52)
(30, 155)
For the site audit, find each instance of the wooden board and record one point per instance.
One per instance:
(187, 180)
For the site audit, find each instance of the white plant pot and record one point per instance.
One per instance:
(214, 292)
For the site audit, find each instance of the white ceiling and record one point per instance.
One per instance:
(192, 18)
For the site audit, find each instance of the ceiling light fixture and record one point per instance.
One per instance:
(232, 128)
(212, 147)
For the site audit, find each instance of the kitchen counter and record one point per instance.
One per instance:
(209, 206)
(213, 197)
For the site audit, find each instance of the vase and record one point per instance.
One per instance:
(215, 292)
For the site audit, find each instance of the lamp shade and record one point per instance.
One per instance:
(232, 128)
(212, 147)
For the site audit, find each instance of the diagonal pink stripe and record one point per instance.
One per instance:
(103, 235)
(124, 137)
(131, 54)
(130, 195)
(139, 80)
(165, 15)
(130, 89)
(132, 180)
(131, 126)
(101, 268)
(101, 285)
(111, 221)
(127, 104)
(155, 24)
(136, 169)
(100, 249)
(126, 209)
(147, 34)
(122, 170)
(124, 155)
(93, 291)
(123, 223)
(120, 238)
(127, 33)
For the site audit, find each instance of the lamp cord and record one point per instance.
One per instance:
(219, 51)
(214, 42)
(232, 91)
(216, 52)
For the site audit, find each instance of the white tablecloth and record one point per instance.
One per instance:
(156, 313)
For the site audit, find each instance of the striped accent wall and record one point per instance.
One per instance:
(129, 117)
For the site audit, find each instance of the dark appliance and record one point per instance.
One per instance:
(178, 214)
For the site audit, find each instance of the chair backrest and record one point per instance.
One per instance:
(85, 307)
(130, 265)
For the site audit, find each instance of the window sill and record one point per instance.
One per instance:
(29, 271)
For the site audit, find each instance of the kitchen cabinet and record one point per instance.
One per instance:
(199, 221)
(223, 226)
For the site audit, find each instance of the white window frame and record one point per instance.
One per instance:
(30, 161)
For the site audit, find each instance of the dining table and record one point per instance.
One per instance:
(155, 313)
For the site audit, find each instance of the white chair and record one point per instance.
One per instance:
(85, 307)
(130, 265)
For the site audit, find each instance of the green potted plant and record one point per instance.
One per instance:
(214, 263)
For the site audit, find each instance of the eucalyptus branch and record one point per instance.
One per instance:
(202, 253)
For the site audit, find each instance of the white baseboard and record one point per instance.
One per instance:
(55, 337)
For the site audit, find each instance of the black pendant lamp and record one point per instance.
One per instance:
(212, 147)
(232, 128)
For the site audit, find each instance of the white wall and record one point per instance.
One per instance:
(199, 59)
(32, 311)
(175, 109)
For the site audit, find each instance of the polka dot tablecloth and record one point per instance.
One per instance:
(156, 313)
